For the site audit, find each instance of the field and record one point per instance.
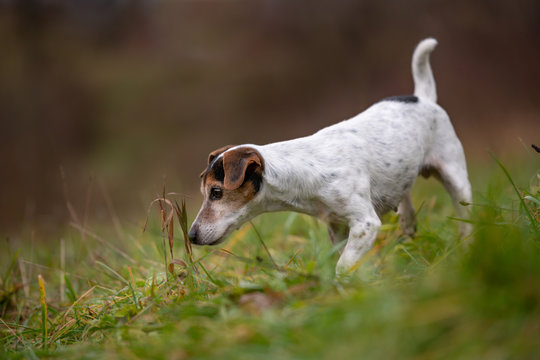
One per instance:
(111, 290)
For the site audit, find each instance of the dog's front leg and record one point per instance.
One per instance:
(361, 238)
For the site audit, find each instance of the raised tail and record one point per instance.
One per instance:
(424, 84)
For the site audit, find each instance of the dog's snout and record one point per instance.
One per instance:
(193, 235)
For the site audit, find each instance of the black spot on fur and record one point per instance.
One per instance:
(409, 99)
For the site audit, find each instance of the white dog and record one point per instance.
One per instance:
(348, 174)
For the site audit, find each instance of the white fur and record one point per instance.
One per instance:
(424, 84)
(353, 172)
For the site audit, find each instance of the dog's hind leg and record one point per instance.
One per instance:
(454, 177)
(407, 216)
(455, 180)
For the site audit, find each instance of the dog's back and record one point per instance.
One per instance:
(381, 150)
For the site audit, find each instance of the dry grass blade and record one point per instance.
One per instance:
(166, 211)
(163, 236)
(182, 219)
(228, 252)
(293, 257)
(179, 262)
(170, 226)
(63, 329)
(88, 292)
(158, 200)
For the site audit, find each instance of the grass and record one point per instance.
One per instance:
(270, 291)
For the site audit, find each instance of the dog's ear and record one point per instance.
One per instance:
(236, 164)
(215, 154)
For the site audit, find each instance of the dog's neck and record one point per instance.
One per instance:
(291, 179)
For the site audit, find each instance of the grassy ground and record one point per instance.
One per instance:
(270, 291)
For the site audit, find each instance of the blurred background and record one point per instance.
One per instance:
(102, 101)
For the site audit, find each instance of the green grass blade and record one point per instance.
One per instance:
(69, 289)
(522, 202)
(109, 269)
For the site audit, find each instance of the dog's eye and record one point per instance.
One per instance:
(216, 193)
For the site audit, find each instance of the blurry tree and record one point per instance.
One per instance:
(133, 89)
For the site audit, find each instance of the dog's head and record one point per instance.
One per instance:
(230, 182)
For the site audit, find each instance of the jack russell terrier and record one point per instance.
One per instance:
(348, 174)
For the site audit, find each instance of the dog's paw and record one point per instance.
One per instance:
(408, 226)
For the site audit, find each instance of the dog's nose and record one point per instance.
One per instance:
(192, 235)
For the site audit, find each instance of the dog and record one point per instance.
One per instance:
(348, 174)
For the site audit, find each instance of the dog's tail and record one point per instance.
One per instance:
(424, 84)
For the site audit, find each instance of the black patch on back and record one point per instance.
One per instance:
(408, 99)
